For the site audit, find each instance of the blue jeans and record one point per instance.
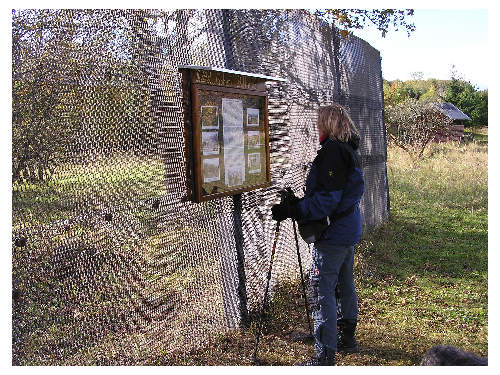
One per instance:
(332, 266)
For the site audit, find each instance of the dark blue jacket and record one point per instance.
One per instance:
(335, 183)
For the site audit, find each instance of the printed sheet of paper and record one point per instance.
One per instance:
(252, 117)
(209, 117)
(211, 170)
(210, 143)
(253, 139)
(254, 163)
(233, 136)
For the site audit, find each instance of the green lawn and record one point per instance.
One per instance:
(115, 179)
(421, 277)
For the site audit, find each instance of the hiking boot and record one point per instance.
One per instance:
(327, 359)
(346, 340)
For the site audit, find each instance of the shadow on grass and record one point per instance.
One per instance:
(382, 354)
(444, 245)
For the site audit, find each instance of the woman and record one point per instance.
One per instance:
(334, 188)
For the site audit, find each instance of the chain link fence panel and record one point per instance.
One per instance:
(111, 264)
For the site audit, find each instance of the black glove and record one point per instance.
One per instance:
(280, 211)
(289, 206)
(290, 197)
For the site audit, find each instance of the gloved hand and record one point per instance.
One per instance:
(288, 206)
(280, 211)
(290, 197)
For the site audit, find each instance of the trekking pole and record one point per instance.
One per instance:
(302, 280)
(276, 232)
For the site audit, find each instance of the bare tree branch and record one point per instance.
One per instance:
(412, 125)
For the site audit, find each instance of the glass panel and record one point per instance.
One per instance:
(233, 141)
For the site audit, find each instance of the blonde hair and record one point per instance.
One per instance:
(334, 121)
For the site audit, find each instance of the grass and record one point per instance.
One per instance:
(422, 277)
(117, 300)
(104, 289)
(114, 179)
(480, 134)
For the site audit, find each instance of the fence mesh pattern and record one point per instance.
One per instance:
(111, 264)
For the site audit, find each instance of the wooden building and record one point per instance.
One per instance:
(455, 131)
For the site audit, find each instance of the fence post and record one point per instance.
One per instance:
(240, 257)
(385, 140)
(239, 294)
(336, 66)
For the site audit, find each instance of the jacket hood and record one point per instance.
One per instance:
(354, 141)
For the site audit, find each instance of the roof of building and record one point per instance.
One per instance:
(266, 78)
(452, 112)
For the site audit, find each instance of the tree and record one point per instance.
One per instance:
(399, 91)
(69, 68)
(480, 114)
(417, 76)
(350, 19)
(412, 124)
(41, 96)
(431, 95)
(468, 99)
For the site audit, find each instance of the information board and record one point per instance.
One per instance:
(229, 133)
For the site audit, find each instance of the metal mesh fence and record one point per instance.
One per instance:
(111, 263)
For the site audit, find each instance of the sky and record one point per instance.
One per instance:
(443, 38)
